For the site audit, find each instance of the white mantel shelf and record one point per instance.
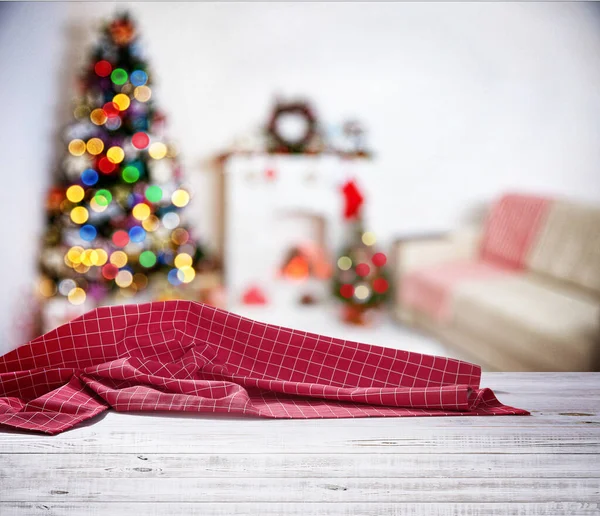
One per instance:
(125, 464)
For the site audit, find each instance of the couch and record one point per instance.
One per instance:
(518, 292)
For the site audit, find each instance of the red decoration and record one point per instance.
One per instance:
(363, 269)
(120, 238)
(106, 166)
(140, 140)
(254, 296)
(353, 200)
(271, 174)
(347, 290)
(122, 31)
(379, 259)
(380, 285)
(111, 109)
(103, 68)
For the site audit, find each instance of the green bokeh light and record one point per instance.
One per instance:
(147, 259)
(103, 197)
(118, 76)
(130, 174)
(154, 193)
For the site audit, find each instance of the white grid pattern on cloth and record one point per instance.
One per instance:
(186, 356)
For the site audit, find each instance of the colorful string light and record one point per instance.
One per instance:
(115, 154)
(122, 101)
(180, 198)
(141, 211)
(154, 193)
(79, 215)
(89, 177)
(119, 76)
(142, 93)
(130, 174)
(103, 68)
(77, 147)
(157, 150)
(95, 146)
(147, 259)
(75, 193)
(138, 78)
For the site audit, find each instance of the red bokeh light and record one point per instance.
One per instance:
(111, 109)
(109, 271)
(120, 238)
(103, 68)
(347, 290)
(379, 259)
(380, 285)
(106, 166)
(140, 140)
(363, 269)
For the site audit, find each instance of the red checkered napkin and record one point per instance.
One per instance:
(186, 356)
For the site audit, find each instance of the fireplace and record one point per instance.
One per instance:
(283, 225)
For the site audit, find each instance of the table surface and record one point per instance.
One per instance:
(126, 464)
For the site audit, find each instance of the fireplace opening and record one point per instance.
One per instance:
(305, 261)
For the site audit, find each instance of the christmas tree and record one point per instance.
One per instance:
(360, 280)
(113, 214)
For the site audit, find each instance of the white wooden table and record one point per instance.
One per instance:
(124, 464)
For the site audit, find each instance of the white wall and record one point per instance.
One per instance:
(462, 100)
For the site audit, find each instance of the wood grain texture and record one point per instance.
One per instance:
(304, 509)
(127, 464)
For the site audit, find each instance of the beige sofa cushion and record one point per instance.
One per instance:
(538, 323)
(568, 245)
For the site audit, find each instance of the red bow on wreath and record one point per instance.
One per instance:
(353, 200)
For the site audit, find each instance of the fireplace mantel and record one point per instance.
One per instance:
(273, 202)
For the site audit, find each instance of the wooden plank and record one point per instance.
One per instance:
(308, 436)
(304, 509)
(297, 490)
(65, 466)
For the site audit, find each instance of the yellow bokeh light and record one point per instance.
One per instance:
(368, 238)
(75, 193)
(95, 146)
(77, 296)
(151, 223)
(157, 150)
(89, 257)
(115, 154)
(142, 93)
(124, 279)
(141, 211)
(344, 263)
(79, 215)
(183, 260)
(122, 101)
(180, 198)
(118, 259)
(74, 254)
(186, 275)
(97, 207)
(98, 116)
(101, 257)
(77, 147)
(47, 287)
(361, 292)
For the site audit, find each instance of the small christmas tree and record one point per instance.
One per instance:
(113, 221)
(360, 280)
